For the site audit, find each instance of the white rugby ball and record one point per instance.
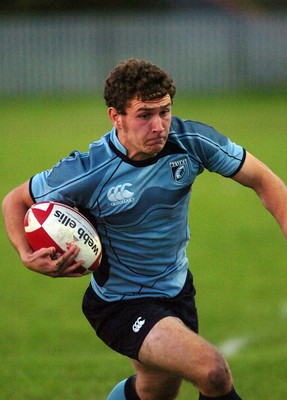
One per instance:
(54, 224)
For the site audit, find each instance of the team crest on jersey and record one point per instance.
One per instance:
(179, 170)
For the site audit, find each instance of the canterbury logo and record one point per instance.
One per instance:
(138, 324)
(120, 193)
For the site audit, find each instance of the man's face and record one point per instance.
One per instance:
(144, 129)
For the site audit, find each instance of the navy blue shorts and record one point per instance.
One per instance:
(123, 325)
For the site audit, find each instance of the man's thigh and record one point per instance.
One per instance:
(172, 347)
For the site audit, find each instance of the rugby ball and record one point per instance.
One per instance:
(55, 224)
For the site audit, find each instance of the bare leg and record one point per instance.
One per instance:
(172, 352)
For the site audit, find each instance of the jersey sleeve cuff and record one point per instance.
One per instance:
(240, 165)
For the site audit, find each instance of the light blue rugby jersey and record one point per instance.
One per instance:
(140, 208)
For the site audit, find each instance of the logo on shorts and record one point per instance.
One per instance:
(138, 324)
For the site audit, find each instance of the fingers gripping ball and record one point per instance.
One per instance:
(54, 224)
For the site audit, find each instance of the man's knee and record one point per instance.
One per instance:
(216, 379)
(219, 380)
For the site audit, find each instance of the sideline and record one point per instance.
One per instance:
(231, 347)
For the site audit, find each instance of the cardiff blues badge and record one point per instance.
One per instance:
(179, 170)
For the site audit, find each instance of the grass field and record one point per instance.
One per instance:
(237, 254)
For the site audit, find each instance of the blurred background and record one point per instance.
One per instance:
(63, 46)
(229, 62)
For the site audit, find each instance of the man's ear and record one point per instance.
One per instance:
(115, 117)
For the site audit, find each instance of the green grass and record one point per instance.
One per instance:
(237, 254)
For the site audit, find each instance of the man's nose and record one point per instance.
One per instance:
(157, 125)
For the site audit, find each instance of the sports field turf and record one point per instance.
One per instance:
(237, 254)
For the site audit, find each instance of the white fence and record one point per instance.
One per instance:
(69, 53)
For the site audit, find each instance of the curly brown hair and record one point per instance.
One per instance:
(136, 78)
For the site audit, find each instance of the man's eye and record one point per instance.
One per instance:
(164, 112)
(144, 116)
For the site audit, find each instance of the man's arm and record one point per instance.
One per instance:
(15, 206)
(269, 187)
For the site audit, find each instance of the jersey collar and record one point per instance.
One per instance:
(120, 151)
